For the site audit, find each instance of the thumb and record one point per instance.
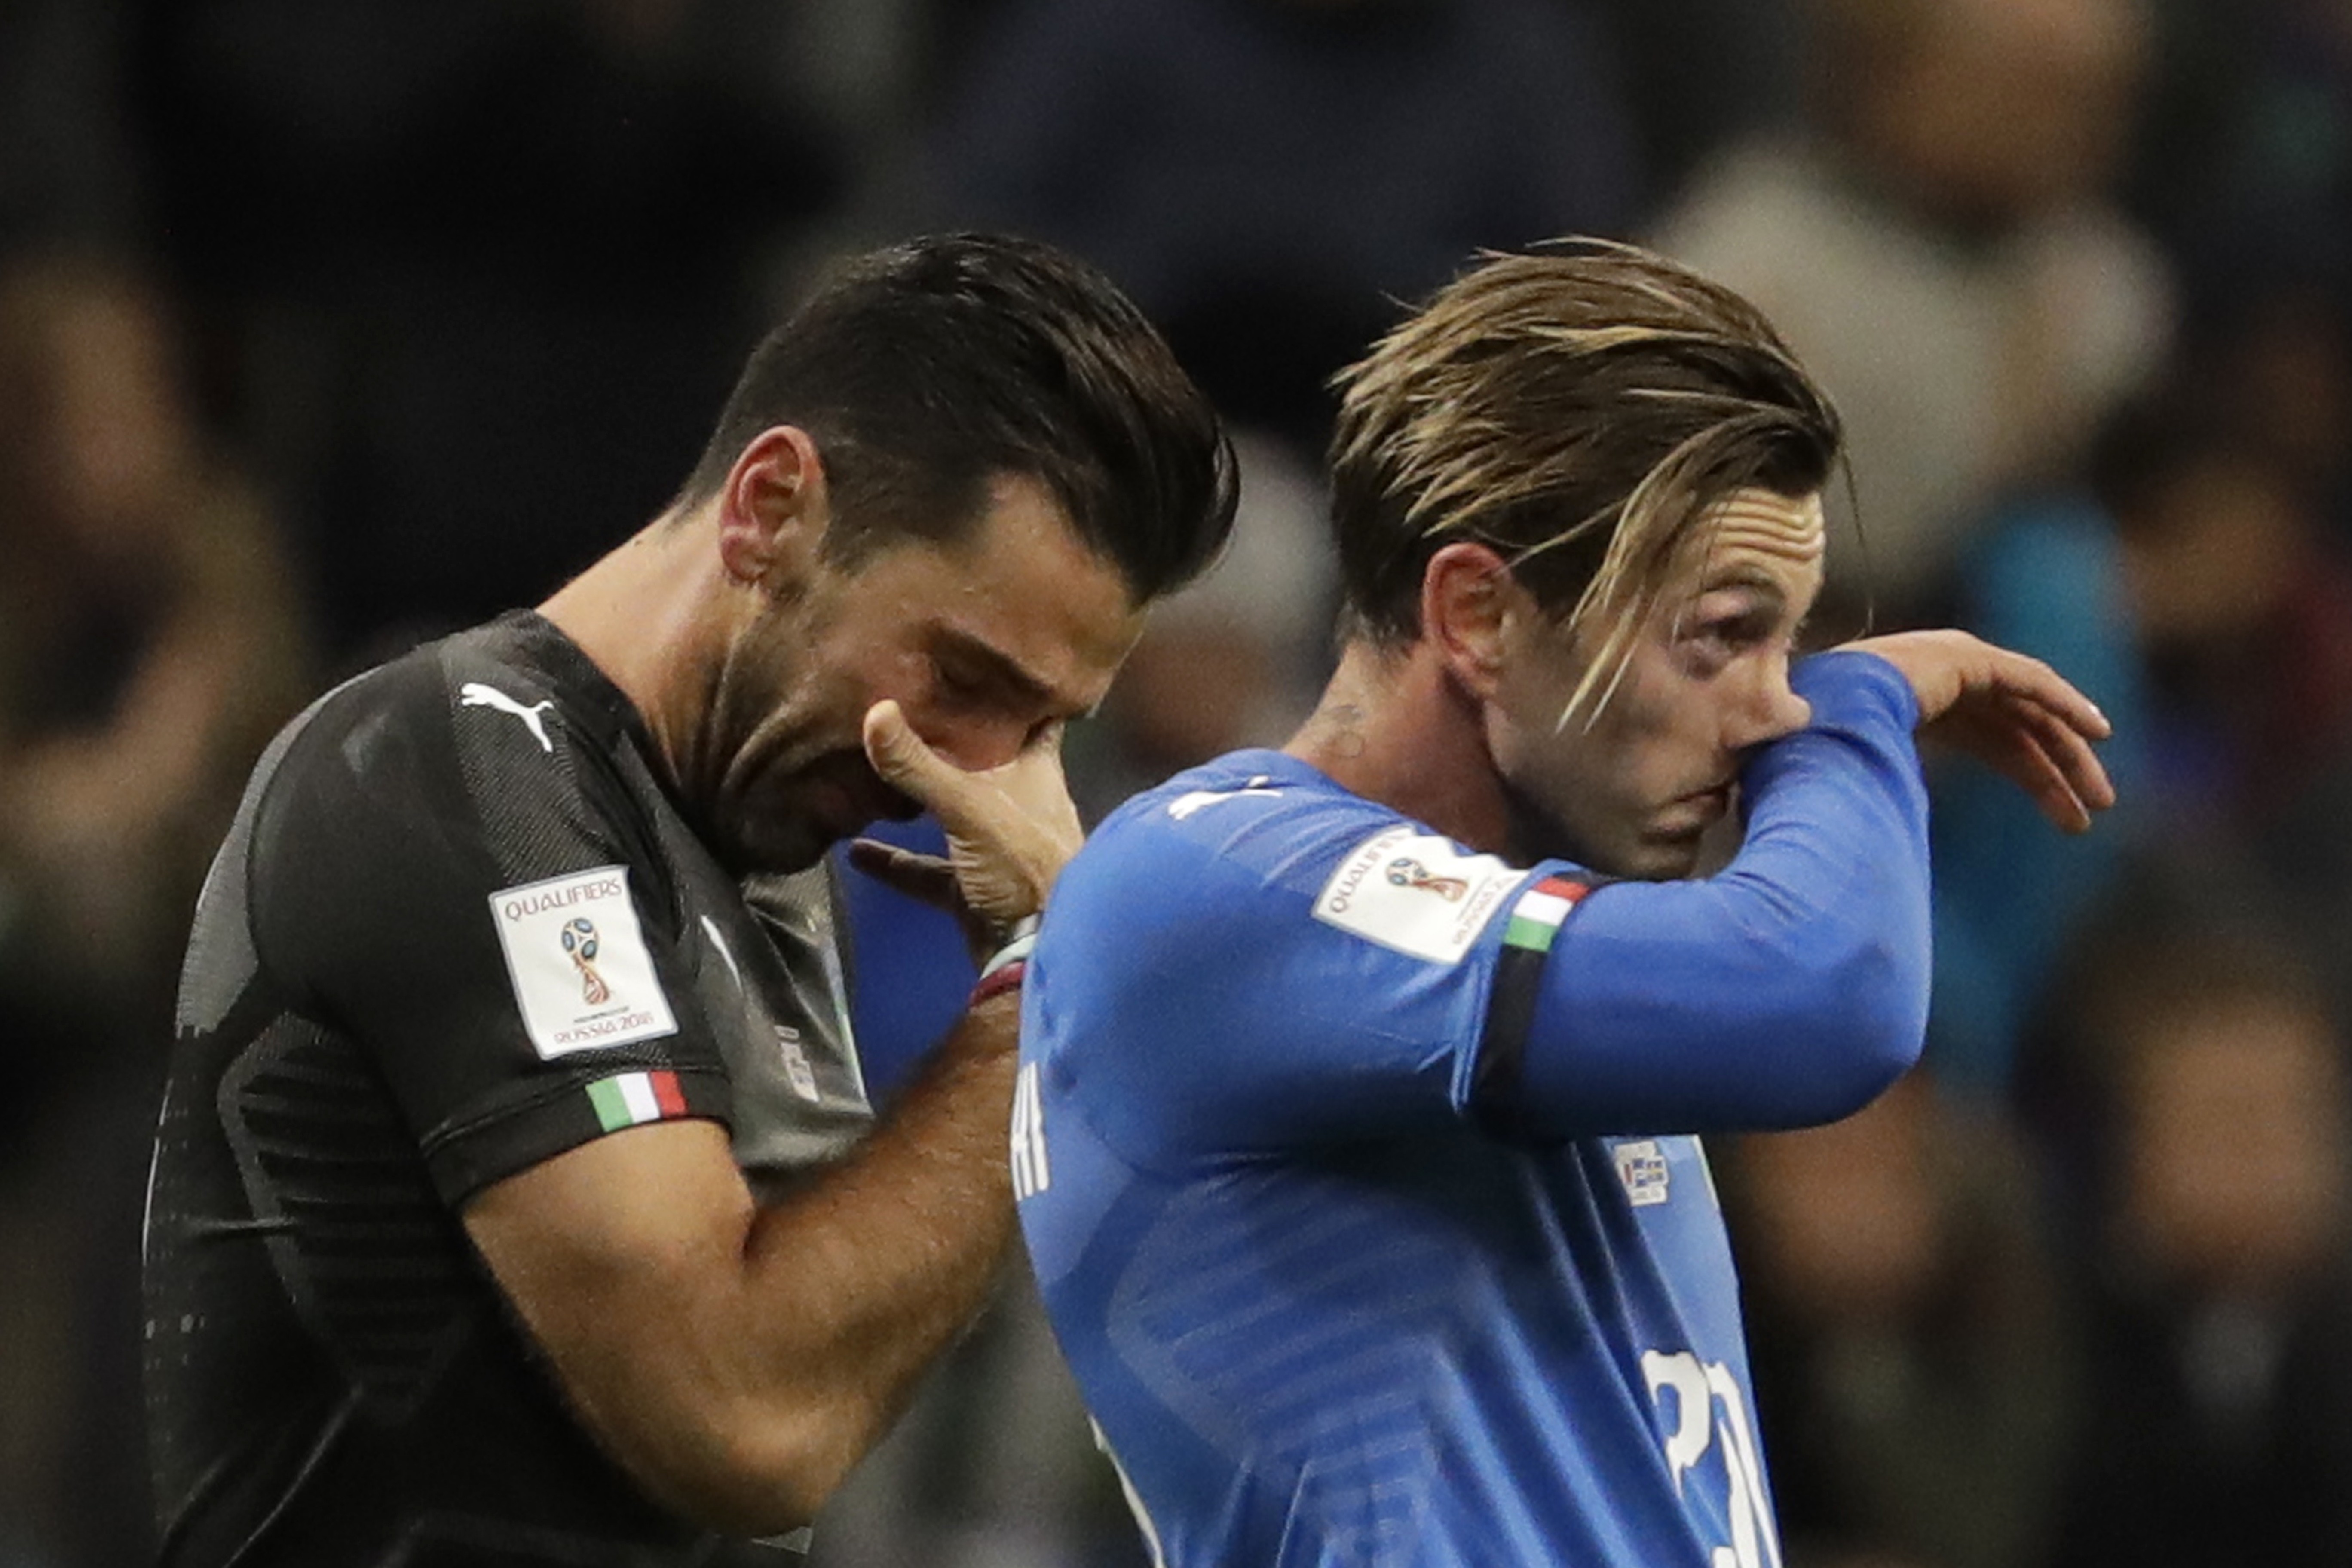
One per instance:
(908, 764)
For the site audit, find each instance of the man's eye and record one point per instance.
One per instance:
(958, 684)
(1729, 631)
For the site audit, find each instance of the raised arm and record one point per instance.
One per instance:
(1234, 974)
(1792, 987)
(738, 1360)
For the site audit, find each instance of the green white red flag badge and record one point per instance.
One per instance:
(1537, 916)
(631, 1099)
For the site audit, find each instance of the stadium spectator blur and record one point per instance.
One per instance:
(1938, 241)
(1916, 1377)
(330, 323)
(474, 270)
(1267, 178)
(150, 642)
(2206, 1079)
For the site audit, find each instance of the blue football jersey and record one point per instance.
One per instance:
(1358, 1170)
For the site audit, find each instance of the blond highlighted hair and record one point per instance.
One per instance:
(1582, 411)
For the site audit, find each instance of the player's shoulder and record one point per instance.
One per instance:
(503, 731)
(416, 690)
(1259, 815)
(1258, 851)
(374, 721)
(480, 763)
(1215, 850)
(510, 697)
(517, 688)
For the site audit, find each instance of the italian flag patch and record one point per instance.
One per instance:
(635, 1097)
(1535, 919)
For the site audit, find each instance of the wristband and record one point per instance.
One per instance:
(998, 981)
(1009, 964)
(1018, 944)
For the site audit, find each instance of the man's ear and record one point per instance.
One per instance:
(1470, 606)
(773, 510)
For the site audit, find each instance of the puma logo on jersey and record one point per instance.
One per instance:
(1184, 805)
(474, 694)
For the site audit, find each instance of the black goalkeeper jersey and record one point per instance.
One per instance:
(456, 928)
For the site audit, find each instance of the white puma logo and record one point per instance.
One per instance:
(474, 694)
(1184, 805)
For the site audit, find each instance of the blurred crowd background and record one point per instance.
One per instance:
(331, 325)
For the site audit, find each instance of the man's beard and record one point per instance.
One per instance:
(775, 820)
(729, 761)
(1537, 833)
(745, 849)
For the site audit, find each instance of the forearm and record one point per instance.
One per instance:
(737, 1361)
(882, 1262)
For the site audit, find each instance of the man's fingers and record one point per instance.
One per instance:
(2040, 751)
(2012, 711)
(924, 878)
(2015, 749)
(2032, 680)
(2069, 747)
(2052, 790)
(1010, 829)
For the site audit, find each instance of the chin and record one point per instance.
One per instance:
(1660, 860)
(1618, 848)
(1685, 862)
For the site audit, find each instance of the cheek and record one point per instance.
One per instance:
(1529, 749)
(842, 682)
(1630, 752)
(1671, 727)
(792, 726)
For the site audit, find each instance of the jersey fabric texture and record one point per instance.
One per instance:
(1359, 1173)
(457, 927)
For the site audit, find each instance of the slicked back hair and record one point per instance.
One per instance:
(1582, 411)
(926, 370)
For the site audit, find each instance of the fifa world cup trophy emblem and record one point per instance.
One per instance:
(1407, 873)
(580, 947)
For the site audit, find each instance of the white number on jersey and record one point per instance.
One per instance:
(1701, 1390)
(1031, 1175)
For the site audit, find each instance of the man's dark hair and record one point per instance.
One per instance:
(1581, 410)
(927, 369)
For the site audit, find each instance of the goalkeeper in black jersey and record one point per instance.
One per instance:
(517, 1198)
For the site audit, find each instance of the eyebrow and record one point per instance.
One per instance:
(1748, 577)
(998, 666)
(1758, 580)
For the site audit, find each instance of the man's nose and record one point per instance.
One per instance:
(1772, 710)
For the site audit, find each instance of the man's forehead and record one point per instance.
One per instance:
(1759, 533)
(1025, 587)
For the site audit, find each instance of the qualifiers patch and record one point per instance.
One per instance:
(582, 976)
(1416, 892)
(1643, 1168)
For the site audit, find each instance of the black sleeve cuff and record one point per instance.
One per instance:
(466, 1158)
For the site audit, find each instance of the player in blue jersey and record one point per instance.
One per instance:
(1356, 1127)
